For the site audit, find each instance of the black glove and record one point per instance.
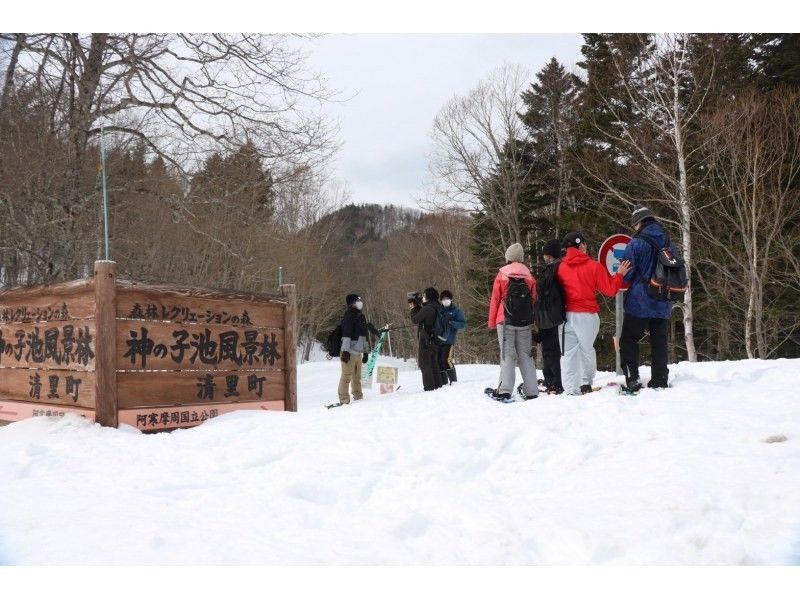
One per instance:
(345, 356)
(365, 358)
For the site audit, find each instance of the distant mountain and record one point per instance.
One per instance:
(359, 224)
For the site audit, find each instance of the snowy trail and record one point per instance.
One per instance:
(684, 476)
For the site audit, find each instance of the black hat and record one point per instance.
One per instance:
(445, 295)
(431, 294)
(351, 298)
(552, 248)
(640, 213)
(573, 239)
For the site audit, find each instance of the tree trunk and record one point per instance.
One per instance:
(12, 65)
(686, 228)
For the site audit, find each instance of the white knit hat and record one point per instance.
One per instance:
(515, 253)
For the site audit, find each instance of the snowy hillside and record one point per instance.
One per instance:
(705, 473)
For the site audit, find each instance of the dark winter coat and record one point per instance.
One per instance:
(457, 320)
(642, 256)
(424, 316)
(354, 331)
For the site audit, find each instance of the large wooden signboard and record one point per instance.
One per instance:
(153, 357)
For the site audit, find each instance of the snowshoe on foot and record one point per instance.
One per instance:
(632, 386)
(500, 397)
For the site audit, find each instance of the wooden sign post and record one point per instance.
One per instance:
(156, 357)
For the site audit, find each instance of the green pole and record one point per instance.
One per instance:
(280, 276)
(105, 194)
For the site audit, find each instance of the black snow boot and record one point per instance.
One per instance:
(451, 375)
(633, 385)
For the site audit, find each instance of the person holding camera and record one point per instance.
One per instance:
(423, 313)
(355, 348)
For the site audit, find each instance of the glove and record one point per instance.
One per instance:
(345, 356)
(365, 358)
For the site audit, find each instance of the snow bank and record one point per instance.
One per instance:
(707, 472)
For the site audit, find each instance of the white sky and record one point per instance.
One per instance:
(397, 83)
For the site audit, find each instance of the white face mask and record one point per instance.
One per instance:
(446, 302)
(359, 305)
(424, 299)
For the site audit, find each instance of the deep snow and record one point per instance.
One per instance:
(707, 472)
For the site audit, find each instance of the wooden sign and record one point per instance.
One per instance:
(156, 357)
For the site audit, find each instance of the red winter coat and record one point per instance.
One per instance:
(497, 312)
(581, 277)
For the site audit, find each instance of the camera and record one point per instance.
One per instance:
(414, 297)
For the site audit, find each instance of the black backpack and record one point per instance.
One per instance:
(669, 279)
(549, 309)
(441, 327)
(333, 345)
(519, 303)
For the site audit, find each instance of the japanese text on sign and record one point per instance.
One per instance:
(65, 345)
(228, 346)
(181, 315)
(24, 315)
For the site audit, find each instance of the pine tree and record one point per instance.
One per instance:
(550, 117)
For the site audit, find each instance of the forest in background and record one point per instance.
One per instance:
(218, 168)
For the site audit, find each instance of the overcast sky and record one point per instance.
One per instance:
(399, 83)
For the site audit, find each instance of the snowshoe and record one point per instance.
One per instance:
(500, 398)
(521, 393)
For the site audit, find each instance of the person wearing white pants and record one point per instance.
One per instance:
(579, 361)
(581, 277)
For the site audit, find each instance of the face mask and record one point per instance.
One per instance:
(424, 299)
(446, 302)
(359, 305)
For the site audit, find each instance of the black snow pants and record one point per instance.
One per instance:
(632, 332)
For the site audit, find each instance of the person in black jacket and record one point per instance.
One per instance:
(423, 313)
(548, 331)
(355, 348)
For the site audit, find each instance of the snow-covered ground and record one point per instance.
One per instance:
(707, 472)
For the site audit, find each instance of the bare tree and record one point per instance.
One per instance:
(665, 93)
(183, 96)
(478, 159)
(754, 152)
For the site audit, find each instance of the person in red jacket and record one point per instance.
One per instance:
(511, 312)
(581, 277)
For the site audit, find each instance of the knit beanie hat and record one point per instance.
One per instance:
(639, 214)
(350, 299)
(515, 253)
(573, 239)
(552, 248)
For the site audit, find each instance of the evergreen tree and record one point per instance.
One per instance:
(550, 117)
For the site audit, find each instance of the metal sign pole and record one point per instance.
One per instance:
(105, 195)
(618, 332)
